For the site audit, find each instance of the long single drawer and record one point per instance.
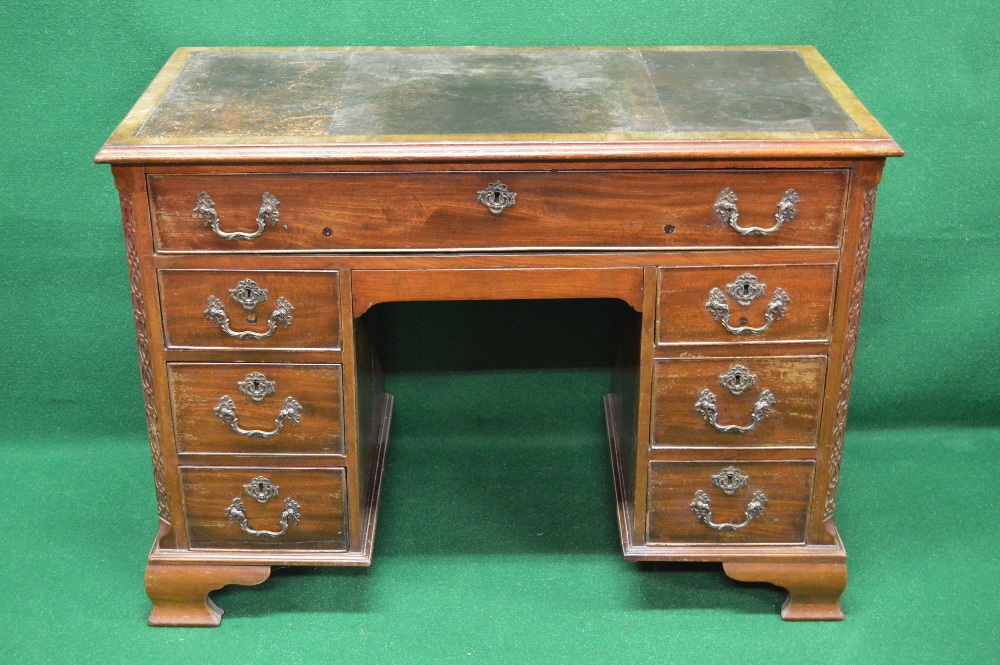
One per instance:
(738, 402)
(262, 508)
(497, 210)
(257, 408)
(773, 303)
(728, 503)
(250, 309)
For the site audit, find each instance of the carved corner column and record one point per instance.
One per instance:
(850, 293)
(130, 182)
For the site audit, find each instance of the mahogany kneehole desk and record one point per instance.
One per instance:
(270, 197)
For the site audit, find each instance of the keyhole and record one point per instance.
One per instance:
(746, 288)
(256, 385)
(496, 197)
(738, 377)
(249, 293)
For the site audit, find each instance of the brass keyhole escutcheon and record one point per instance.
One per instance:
(496, 197)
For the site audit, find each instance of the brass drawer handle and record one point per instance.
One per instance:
(225, 411)
(701, 507)
(210, 217)
(496, 197)
(262, 490)
(745, 290)
(728, 213)
(762, 409)
(236, 512)
(216, 313)
(737, 380)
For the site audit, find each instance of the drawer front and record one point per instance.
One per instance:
(257, 408)
(728, 503)
(427, 211)
(738, 402)
(250, 309)
(745, 304)
(260, 508)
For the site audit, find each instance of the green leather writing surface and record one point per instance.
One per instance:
(393, 94)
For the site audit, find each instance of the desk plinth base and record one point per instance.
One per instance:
(814, 576)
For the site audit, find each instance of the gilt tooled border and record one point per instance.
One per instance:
(145, 366)
(850, 347)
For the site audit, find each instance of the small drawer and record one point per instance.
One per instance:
(738, 402)
(260, 409)
(260, 508)
(728, 503)
(497, 210)
(250, 309)
(774, 303)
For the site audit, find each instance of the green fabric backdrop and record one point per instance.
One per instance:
(928, 352)
(70, 400)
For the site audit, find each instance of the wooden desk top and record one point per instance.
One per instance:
(343, 104)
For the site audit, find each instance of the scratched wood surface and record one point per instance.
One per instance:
(795, 381)
(683, 317)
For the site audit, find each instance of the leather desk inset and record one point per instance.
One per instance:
(270, 197)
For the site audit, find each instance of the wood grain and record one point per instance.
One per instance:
(427, 211)
(814, 588)
(796, 382)
(180, 592)
(321, 494)
(672, 486)
(372, 287)
(196, 389)
(399, 260)
(683, 293)
(314, 295)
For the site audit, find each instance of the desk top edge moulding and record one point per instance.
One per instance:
(271, 196)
